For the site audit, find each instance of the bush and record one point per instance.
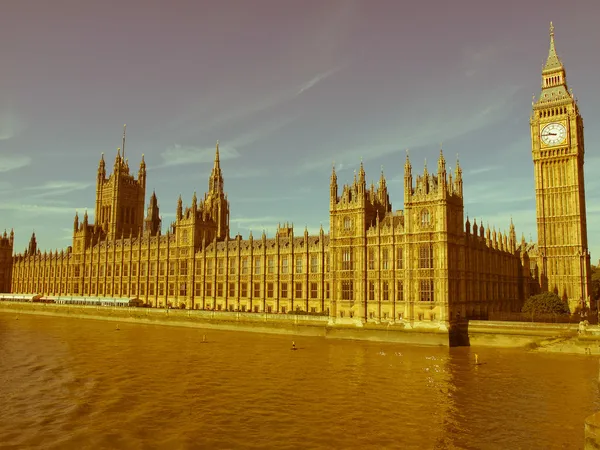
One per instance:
(545, 303)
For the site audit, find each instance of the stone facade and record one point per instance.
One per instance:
(425, 265)
(562, 256)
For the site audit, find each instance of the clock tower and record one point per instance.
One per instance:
(558, 152)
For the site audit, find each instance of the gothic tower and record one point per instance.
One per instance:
(120, 198)
(6, 260)
(558, 155)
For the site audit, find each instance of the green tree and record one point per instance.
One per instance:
(595, 288)
(545, 303)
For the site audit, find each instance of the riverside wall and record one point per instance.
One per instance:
(298, 325)
(542, 337)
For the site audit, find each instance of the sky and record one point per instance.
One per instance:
(288, 88)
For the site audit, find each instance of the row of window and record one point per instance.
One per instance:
(181, 268)
(426, 292)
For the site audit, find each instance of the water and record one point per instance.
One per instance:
(70, 383)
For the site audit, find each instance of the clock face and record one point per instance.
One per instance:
(553, 134)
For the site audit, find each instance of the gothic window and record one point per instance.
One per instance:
(271, 264)
(284, 264)
(219, 289)
(245, 265)
(371, 259)
(400, 291)
(220, 266)
(298, 290)
(313, 290)
(231, 266)
(399, 258)
(347, 259)
(269, 290)
(231, 289)
(256, 266)
(347, 290)
(182, 268)
(327, 291)
(371, 290)
(314, 264)
(299, 264)
(386, 291)
(256, 290)
(426, 256)
(244, 287)
(425, 218)
(347, 223)
(284, 290)
(183, 289)
(209, 289)
(426, 291)
(385, 259)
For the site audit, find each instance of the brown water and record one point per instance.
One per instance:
(72, 383)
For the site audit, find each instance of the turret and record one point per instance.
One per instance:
(512, 242)
(76, 222)
(458, 181)
(179, 208)
(442, 173)
(32, 249)
(333, 187)
(142, 173)
(153, 221)
(408, 180)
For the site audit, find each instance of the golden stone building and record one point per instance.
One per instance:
(424, 264)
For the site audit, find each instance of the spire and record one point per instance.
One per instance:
(179, 208)
(216, 177)
(333, 175)
(123, 144)
(361, 174)
(553, 62)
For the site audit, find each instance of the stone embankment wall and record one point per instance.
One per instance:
(303, 325)
(543, 337)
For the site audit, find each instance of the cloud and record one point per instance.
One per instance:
(41, 209)
(13, 162)
(441, 124)
(55, 188)
(177, 154)
(483, 170)
(320, 77)
(10, 125)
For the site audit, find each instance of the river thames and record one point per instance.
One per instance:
(71, 383)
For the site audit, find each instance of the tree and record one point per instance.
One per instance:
(595, 288)
(545, 303)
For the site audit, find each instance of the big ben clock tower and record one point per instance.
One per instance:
(558, 151)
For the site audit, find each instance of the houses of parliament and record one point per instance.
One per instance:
(425, 263)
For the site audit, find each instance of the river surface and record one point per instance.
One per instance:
(75, 383)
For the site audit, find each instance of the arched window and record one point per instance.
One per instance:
(425, 218)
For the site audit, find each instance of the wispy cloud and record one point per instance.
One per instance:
(177, 154)
(10, 125)
(318, 78)
(13, 162)
(56, 188)
(484, 169)
(41, 209)
(438, 126)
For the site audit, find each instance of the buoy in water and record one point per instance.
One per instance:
(117, 329)
(294, 346)
(477, 363)
(204, 341)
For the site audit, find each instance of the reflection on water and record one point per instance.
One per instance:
(68, 383)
